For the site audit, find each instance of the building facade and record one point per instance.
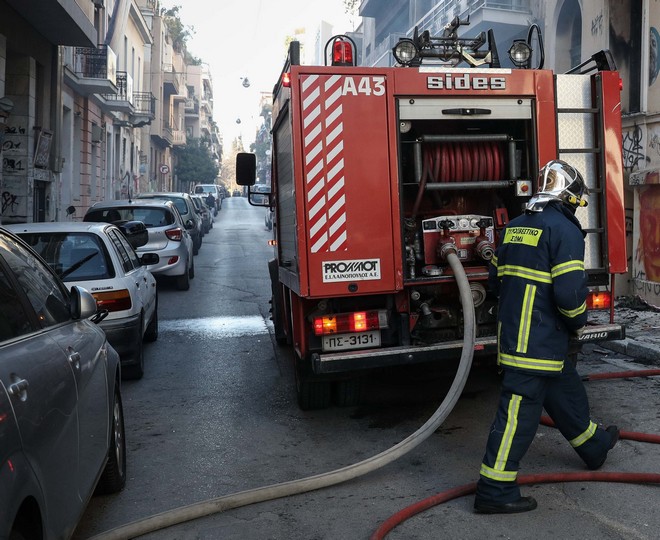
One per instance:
(92, 104)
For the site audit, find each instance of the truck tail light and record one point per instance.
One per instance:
(114, 300)
(174, 234)
(358, 321)
(286, 79)
(599, 300)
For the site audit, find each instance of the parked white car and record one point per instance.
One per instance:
(100, 258)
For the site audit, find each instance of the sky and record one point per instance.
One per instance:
(246, 38)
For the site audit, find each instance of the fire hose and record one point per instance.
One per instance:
(621, 477)
(311, 483)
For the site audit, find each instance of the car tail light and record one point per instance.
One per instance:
(174, 234)
(114, 300)
(358, 321)
(599, 300)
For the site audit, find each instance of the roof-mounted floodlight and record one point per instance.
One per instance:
(405, 52)
(520, 53)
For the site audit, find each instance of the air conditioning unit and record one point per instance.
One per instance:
(97, 133)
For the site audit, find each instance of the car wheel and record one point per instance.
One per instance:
(151, 334)
(196, 245)
(135, 371)
(113, 478)
(183, 281)
(191, 271)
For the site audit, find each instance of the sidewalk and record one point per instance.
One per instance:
(642, 323)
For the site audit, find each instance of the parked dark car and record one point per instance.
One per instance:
(204, 211)
(61, 416)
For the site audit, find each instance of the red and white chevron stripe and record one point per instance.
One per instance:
(324, 162)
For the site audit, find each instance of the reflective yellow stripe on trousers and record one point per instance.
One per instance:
(497, 472)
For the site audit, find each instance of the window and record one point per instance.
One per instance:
(46, 294)
(14, 320)
(126, 252)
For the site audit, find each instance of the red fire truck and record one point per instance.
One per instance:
(378, 171)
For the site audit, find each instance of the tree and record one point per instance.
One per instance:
(178, 32)
(228, 169)
(195, 164)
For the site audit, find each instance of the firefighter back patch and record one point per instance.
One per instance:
(523, 235)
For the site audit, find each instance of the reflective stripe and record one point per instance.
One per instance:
(584, 437)
(493, 261)
(574, 312)
(526, 318)
(522, 272)
(564, 268)
(498, 472)
(499, 476)
(509, 432)
(537, 364)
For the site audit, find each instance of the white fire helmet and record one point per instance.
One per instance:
(558, 181)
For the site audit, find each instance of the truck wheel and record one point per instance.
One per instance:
(312, 393)
(347, 392)
(276, 306)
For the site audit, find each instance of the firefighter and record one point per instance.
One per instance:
(538, 275)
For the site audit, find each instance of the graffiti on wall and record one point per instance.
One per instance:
(633, 149)
(597, 25)
(646, 239)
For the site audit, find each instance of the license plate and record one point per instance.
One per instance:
(344, 342)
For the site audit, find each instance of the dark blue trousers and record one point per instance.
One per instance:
(522, 400)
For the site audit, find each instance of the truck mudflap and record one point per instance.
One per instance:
(346, 361)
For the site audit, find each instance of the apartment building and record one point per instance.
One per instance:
(92, 104)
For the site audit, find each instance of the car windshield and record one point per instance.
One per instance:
(150, 216)
(179, 202)
(73, 256)
(204, 189)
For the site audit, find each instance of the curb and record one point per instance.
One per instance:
(635, 348)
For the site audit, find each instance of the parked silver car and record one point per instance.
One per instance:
(168, 236)
(99, 257)
(61, 416)
(186, 208)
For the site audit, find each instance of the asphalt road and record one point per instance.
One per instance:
(216, 414)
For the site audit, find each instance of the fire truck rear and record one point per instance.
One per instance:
(379, 173)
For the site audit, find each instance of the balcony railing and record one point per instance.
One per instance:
(144, 104)
(90, 70)
(95, 63)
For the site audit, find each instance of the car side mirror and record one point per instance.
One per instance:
(82, 304)
(246, 168)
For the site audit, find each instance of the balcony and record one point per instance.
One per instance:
(178, 137)
(91, 70)
(192, 106)
(122, 101)
(172, 81)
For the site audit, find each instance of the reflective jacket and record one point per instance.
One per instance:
(538, 274)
